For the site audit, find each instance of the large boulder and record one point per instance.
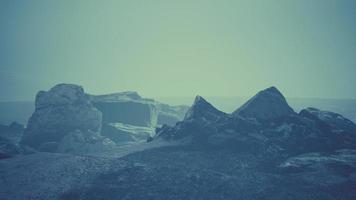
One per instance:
(61, 110)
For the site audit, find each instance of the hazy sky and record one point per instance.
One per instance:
(307, 48)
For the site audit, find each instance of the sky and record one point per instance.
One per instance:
(179, 48)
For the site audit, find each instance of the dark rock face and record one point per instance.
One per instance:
(267, 104)
(63, 109)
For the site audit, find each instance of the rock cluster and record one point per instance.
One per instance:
(265, 124)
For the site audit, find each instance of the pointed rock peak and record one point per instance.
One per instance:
(203, 109)
(266, 104)
(272, 88)
(200, 100)
(271, 91)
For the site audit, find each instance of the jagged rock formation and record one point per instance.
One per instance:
(201, 109)
(209, 155)
(198, 122)
(265, 124)
(61, 110)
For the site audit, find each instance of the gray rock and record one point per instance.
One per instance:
(201, 109)
(265, 125)
(267, 104)
(199, 122)
(60, 111)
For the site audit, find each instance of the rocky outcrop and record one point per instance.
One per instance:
(265, 124)
(63, 109)
(199, 122)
